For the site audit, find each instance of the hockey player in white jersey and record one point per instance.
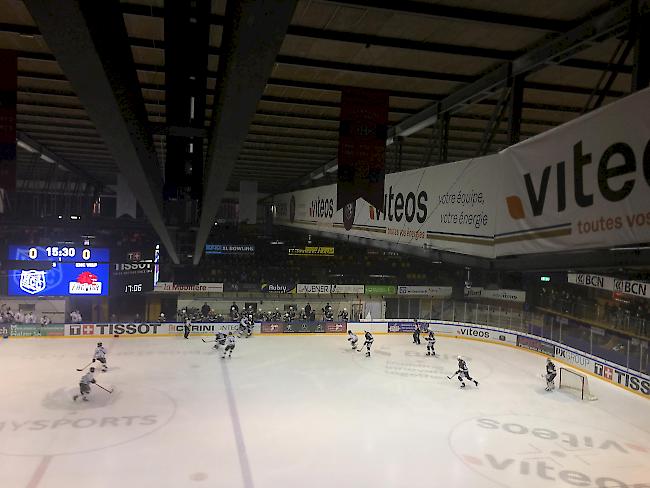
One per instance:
(367, 343)
(551, 373)
(431, 343)
(230, 345)
(84, 385)
(463, 372)
(245, 326)
(219, 339)
(100, 355)
(352, 337)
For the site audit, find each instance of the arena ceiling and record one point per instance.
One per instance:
(473, 57)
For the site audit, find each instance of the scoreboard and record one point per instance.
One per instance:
(72, 271)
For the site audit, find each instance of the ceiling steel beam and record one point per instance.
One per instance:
(90, 42)
(607, 24)
(252, 37)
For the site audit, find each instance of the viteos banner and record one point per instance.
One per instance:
(316, 288)
(449, 207)
(636, 288)
(582, 185)
(167, 287)
(430, 291)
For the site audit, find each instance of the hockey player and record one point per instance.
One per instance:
(245, 327)
(230, 345)
(416, 332)
(431, 344)
(219, 339)
(463, 372)
(84, 385)
(368, 342)
(100, 355)
(352, 337)
(551, 373)
(187, 327)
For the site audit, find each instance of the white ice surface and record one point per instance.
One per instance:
(305, 411)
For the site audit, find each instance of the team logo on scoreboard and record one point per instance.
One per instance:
(86, 284)
(32, 281)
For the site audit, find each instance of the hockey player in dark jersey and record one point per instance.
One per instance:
(463, 372)
(550, 375)
(367, 343)
(431, 344)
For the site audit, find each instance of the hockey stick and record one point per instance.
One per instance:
(207, 342)
(105, 389)
(81, 369)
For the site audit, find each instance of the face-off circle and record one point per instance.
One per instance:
(520, 450)
(63, 426)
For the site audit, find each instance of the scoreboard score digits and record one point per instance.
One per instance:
(58, 253)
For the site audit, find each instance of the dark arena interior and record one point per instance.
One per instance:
(352, 243)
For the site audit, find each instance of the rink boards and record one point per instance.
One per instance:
(626, 378)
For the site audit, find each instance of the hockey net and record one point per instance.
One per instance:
(576, 382)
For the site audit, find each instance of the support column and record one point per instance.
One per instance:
(515, 109)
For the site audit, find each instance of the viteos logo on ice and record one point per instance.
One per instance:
(607, 175)
(398, 207)
(322, 208)
(518, 451)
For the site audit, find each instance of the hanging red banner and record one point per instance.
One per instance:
(8, 90)
(362, 146)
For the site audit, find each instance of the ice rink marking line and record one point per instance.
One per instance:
(39, 472)
(237, 431)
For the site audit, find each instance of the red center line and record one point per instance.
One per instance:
(39, 472)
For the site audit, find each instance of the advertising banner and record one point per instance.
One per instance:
(449, 207)
(626, 379)
(312, 251)
(336, 327)
(536, 345)
(324, 289)
(272, 327)
(518, 296)
(28, 330)
(168, 287)
(581, 185)
(635, 288)
(304, 327)
(430, 291)
(133, 277)
(230, 249)
(80, 330)
(401, 326)
(278, 287)
(381, 289)
(205, 327)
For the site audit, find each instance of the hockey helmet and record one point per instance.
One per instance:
(99, 343)
(460, 357)
(92, 370)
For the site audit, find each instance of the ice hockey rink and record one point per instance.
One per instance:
(307, 411)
